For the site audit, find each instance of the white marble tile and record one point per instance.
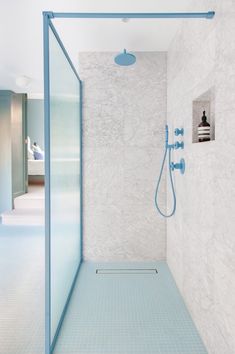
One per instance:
(200, 237)
(124, 119)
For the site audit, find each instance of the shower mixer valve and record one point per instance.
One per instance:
(171, 167)
(178, 166)
(179, 145)
(179, 131)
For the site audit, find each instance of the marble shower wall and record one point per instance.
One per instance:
(124, 118)
(201, 236)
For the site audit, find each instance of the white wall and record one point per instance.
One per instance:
(25, 18)
(35, 121)
(201, 236)
(124, 118)
(5, 152)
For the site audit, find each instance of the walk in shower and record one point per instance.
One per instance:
(107, 306)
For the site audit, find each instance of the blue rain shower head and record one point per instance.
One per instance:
(125, 59)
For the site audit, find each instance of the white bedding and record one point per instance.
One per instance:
(36, 168)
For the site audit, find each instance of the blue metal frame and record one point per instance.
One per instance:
(81, 170)
(47, 184)
(206, 15)
(52, 345)
(49, 342)
(47, 23)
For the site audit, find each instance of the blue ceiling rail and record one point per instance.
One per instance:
(206, 15)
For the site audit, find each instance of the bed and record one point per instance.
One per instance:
(36, 171)
(36, 167)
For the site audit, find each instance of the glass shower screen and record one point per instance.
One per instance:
(63, 193)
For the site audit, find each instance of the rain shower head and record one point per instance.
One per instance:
(125, 59)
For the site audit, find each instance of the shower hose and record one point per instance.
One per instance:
(171, 183)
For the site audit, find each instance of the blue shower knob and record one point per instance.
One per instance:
(178, 166)
(179, 145)
(179, 131)
(182, 166)
(172, 166)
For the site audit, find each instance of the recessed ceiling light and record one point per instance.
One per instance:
(23, 81)
(125, 19)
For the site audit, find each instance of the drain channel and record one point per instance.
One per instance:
(126, 271)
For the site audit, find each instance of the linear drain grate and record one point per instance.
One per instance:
(126, 271)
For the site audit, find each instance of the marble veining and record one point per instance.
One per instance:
(200, 238)
(124, 118)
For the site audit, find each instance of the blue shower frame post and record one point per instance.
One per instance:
(46, 17)
(49, 342)
(47, 23)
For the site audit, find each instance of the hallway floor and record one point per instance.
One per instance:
(122, 312)
(21, 290)
(28, 209)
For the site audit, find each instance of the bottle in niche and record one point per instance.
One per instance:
(204, 129)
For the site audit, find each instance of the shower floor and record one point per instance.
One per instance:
(138, 312)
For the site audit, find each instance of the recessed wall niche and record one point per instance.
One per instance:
(204, 102)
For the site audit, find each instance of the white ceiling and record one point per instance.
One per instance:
(21, 33)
